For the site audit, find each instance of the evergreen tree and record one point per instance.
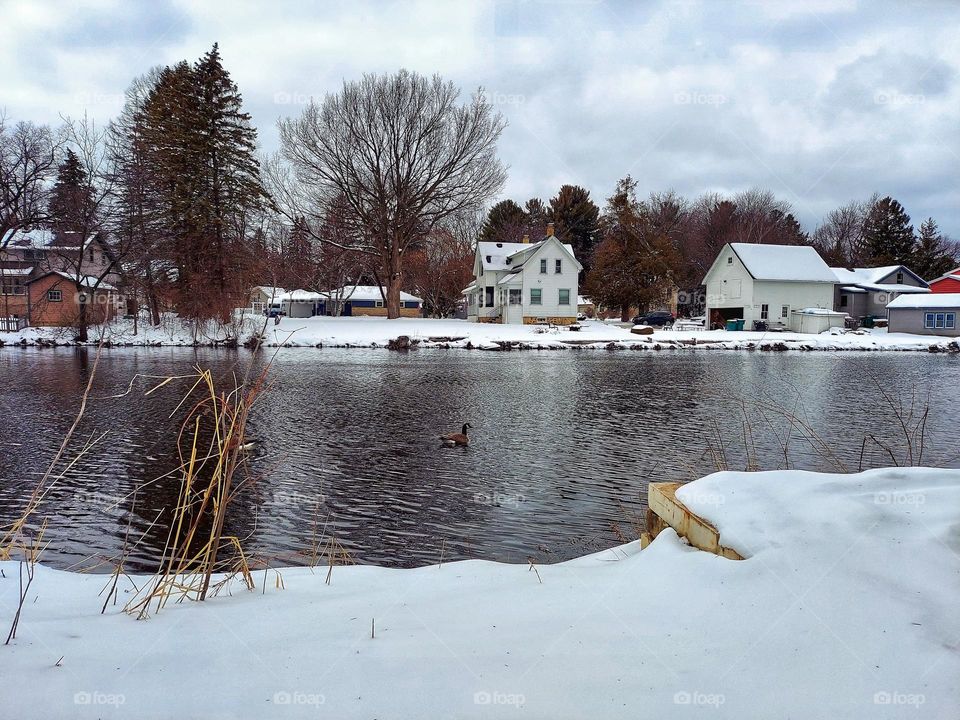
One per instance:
(200, 148)
(538, 215)
(506, 222)
(933, 255)
(71, 198)
(887, 234)
(575, 217)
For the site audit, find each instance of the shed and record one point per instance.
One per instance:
(933, 314)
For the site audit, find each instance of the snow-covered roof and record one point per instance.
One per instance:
(869, 279)
(299, 296)
(87, 281)
(38, 238)
(931, 301)
(499, 253)
(367, 292)
(271, 292)
(581, 300)
(953, 275)
(817, 311)
(786, 263)
(16, 272)
(510, 279)
(469, 289)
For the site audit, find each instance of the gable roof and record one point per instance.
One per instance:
(870, 279)
(87, 281)
(952, 275)
(366, 292)
(931, 301)
(785, 263)
(502, 256)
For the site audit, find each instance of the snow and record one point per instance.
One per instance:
(500, 252)
(87, 281)
(366, 292)
(932, 301)
(869, 279)
(788, 263)
(844, 608)
(450, 333)
(819, 311)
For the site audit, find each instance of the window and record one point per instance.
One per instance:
(489, 260)
(543, 266)
(899, 278)
(257, 307)
(516, 296)
(843, 300)
(403, 304)
(785, 311)
(378, 303)
(558, 267)
(489, 290)
(564, 296)
(940, 320)
(12, 286)
(764, 312)
(91, 254)
(730, 260)
(54, 295)
(536, 295)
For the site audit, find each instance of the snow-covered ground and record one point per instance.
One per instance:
(844, 608)
(377, 332)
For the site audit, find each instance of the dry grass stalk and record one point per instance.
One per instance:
(31, 547)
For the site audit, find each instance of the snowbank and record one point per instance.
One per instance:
(378, 332)
(844, 608)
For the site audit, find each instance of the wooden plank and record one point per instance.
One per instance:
(663, 503)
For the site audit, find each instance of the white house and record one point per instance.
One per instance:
(524, 282)
(770, 284)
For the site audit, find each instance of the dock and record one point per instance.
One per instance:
(665, 510)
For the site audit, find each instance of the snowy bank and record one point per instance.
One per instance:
(844, 608)
(370, 332)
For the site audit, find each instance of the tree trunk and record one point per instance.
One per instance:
(82, 322)
(624, 313)
(393, 281)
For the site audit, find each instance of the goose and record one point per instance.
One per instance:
(455, 439)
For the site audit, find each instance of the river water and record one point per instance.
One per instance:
(562, 447)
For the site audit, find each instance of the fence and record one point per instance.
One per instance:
(12, 324)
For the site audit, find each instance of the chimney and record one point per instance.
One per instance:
(526, 239)
(550, 229)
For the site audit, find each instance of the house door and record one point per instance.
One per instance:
(347, 309)
(514, 308)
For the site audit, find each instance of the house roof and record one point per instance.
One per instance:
(952, 275)
(270, 291)
(786, 263)
(87, 281)
(508, 256)
(16, 272)
(367, 292)
(36, 238)
(931, 301)
(299, 296)
(869, 279)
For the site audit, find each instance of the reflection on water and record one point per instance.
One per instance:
(562, 446)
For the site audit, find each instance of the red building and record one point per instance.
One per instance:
(949, 283)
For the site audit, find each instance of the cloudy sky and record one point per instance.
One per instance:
(821, 101)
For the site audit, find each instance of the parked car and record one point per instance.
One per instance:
(657, 318)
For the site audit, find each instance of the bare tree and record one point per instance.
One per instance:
(404, 155)
(28, 158)
(442, 264)
(839, 238)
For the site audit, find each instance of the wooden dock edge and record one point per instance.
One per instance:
(665, 510)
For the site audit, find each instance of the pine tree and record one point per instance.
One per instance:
(538, 215)
(887, 234)
(506, 222)
(932, 256)
(575, 217)
(71, 198)
(200, 152)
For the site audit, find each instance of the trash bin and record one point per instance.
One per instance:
(740, 323)
(731, 325)
(868, 321)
